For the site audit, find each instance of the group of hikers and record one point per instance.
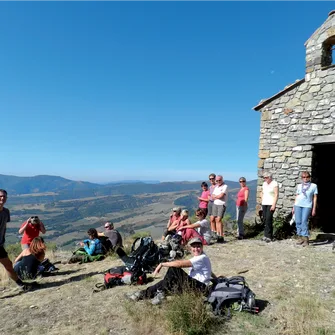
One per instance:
(212, 203)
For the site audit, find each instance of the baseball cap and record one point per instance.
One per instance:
(195, 240)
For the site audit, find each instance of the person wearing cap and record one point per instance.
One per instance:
(269, 200)
(113, 235)
(176, 279)
(174, 220)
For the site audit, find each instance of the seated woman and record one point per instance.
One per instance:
(184, 220)
(176, 279)
(200, 229)
(91, 249)
(27, 264)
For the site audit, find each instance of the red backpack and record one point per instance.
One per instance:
(120, 275)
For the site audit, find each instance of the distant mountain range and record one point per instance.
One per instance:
(62, 188)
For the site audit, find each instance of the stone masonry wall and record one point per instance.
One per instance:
(306, 110)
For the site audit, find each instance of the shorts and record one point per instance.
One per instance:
(3, 253)
(218, 210)
(210, 207)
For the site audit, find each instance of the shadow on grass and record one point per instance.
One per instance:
(323, 239)
(59, 273)
(261, 304)
(37, 286)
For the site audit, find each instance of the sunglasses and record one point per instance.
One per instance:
(211, 178)
(242, 181)
(34, 217)
(218, 180)
(305, 177)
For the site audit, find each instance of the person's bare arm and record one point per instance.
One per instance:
(276, 193)
(315, 198)
(175, 264)
(42, 228)
(190, 226)
(246, 195)
(23, 253)
(173, 226)
(101, 234)
(23, 228)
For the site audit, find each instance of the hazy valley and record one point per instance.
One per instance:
(68, 208)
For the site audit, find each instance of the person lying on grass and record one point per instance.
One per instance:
(176, 279)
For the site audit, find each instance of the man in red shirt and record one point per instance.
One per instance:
(31, 229)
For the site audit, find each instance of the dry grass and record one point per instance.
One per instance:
(294, 286)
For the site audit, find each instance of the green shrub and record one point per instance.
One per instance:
(188, 315)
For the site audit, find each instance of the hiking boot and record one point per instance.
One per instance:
(305, 241)
(300, 240)
(220, 239)
(240, 237)
(135, 296)
(159, 297)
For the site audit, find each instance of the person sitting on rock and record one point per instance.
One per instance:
(176, 279)
(199, 229)
(112, 234)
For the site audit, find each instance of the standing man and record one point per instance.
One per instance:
(4, 260)
(112, 234)
(211, 178)
(220, 197)
(269, 202)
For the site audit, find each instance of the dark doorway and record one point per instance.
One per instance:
(323, 169)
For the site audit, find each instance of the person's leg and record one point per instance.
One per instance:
(298, 219)
(240, 213)
(268, 219)
(172, 281)
(304, 221)
(6, 262)
(190, 233)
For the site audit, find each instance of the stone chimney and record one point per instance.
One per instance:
(319, 53)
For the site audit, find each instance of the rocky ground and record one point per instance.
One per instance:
(295, 288)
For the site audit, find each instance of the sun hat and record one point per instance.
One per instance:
(195, 240)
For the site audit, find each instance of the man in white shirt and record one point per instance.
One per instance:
(220, 197)
(269, 201)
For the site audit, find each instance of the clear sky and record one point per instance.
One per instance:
(109, 91)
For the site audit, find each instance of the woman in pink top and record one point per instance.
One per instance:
(204, 198)
(241, 206)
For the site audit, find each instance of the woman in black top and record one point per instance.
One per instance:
(27, 263)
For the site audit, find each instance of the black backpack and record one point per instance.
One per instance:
(232, 292)
(144, 255)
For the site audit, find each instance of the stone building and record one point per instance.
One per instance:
(297, 129)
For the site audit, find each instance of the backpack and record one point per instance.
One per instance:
(120, 275)
(144, 255)
(226, 293)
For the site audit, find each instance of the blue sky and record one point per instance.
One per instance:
(144, 90)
